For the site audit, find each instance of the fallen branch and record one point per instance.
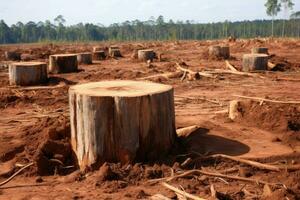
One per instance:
(15, 174)
(185, 194)
(267, 100)
(287, 79)
(231, 67)
(194, 73)
(221, 71)
(194, 172)
(271, 66)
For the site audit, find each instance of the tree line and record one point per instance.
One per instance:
(155, 29)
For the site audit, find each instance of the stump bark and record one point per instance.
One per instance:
(146, 54)
(63, 63)
(85, 58)
(219, 52)
(99, 55)
(259, 50)
(114, 51)
(12, 55)
(27, 73)
(121, 121)
(252, 62)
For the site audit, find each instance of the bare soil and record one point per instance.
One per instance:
(34, 125)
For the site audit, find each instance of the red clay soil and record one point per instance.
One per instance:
(34, 126)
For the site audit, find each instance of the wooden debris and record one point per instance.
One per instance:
(231, 67)
(184, 132)
(176, 190)
(194, 74)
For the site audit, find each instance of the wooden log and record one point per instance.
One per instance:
(27, 73)
(12, 55)
(114, 51)
(121, 121)
(219, 52)
(99, 55)
(252, 62)
(146, 54)
(63, 63)
(85, 58)
(258, 50)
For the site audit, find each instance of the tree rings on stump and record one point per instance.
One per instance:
(84, 58)
(146, 54)
(27, 73)
(99, 55)
(252, 62)
(63, 63)
(219, 52)
(258, 50)
(114, 51)
(121, 121)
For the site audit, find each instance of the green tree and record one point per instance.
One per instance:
(273, 7)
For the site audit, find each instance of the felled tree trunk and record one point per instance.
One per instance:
(145, 55)
(27, 73)
(121, 121)
(219, 52)
(252, 62)
(12, 55)
(114, 51)
(63, 63)
(99, 55)
(258, 50)
(85, 58)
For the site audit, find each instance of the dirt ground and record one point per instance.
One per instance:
(34, 126)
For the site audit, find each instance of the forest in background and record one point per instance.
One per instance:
(154, 29)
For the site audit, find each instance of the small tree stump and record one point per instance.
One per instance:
(114, 51)
(146, 54)
(121, 121)
(259, 50)
(63, 63)
(252, 62)
(97, 49)
(99, 55)
(234, 112)
(12, 55)
(27, 73)
(219, 52)
(84, 58)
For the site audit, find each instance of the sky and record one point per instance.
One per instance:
(115, 11)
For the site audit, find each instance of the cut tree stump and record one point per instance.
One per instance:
(219, 52)
(252, 62)
(85, 58)
(114, 51)
(258, 50)
(12, 55)
(97, 49)
(63, 63)
(121, 121)
(146, 54)
(27, 73)
(99, 55)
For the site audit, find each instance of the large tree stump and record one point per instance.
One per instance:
(27, 73)
(252, 62)
(219, 52)
(258, 50)
(99, 55)
(12, 55)
(114, 51)
(85, 58)
(146, 54)
(63, 63)
(121, 121)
